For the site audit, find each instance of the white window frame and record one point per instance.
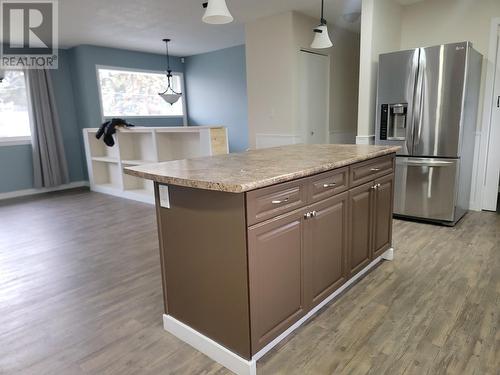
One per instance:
(16, 141)
(109, 67)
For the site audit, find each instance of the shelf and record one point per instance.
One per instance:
(105, 159)
(136, 147)
(107, 186)
(143, 145)
(137, 162)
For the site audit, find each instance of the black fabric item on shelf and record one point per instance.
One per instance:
(109, 128)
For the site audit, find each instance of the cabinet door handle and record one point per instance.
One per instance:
(277, 201)
(375, 169)
(307, 216)
(314, 214)
(374, 187)
(329, 185)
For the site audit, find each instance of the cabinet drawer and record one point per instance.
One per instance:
(266, 203)
(328, 184)
(368, 170)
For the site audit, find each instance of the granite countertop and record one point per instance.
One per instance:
(240, 172)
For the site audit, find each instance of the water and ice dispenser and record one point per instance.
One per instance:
(393, 122)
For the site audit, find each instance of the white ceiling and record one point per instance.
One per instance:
(141, 24)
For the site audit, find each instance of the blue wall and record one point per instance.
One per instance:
(84, 59)
(77, 99)
(16, 164)
(215, 89)
(16, 168)
(83, 65)
(66, 108)
(217, 92)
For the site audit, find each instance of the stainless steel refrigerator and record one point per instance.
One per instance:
(427, 102)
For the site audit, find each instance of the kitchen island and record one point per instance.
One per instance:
(253, 244)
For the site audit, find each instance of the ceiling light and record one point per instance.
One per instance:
(321, 37)
(217, 12)
(169, 95)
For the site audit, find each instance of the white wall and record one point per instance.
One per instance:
(380, 33)
(269, 52)
(344, 86)
(272, 47)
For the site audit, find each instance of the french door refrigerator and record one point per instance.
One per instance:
(427, 102)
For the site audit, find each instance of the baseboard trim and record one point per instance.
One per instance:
(234, 362)
(365, 139)
(274, 140)
(27, 192)
(209, 347)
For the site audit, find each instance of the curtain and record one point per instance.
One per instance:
(49, 160)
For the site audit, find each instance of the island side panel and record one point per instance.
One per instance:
(203, 249)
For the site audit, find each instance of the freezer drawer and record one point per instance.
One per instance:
(426, 188)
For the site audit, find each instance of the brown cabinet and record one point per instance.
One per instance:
(382, 223)
(276, 271)
(295, 261)
(370, 222)
(326, 248)
(255, 263)
(360, 228)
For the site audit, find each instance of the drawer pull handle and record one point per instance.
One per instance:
(375, 169)
(330, 185)
(277, 201)
(310, 215)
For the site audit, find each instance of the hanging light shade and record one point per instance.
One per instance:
(321, 37)
(217, 12)
(169, 95)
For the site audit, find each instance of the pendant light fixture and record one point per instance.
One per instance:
(321, 37)
(169, 95)
(216, 12)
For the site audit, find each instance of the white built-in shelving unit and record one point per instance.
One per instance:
(144, 145)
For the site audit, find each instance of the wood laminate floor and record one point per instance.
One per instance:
(80, 293)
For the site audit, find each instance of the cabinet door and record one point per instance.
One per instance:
(276, 262)
(360, 227)
(326, 247)
(382, 232)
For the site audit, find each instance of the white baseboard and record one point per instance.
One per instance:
(343, 137)
(365, 140)
(275, 140)
(26, 192)
(234, 362)
(209, 347)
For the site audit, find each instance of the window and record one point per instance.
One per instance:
(14, 117)
(134, 93)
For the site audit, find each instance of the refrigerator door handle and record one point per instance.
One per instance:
(419, 101)
(432, 163)
(412, 84)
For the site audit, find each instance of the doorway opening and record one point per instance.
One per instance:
(491, 132)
